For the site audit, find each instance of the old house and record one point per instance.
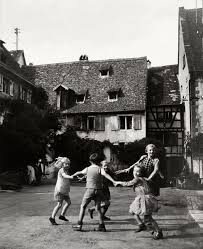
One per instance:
(165, 115)
(104, 100)
(13, 83)
(190, 75)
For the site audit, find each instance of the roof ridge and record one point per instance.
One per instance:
(94, 61)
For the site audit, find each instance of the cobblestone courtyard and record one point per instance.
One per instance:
(24, 222)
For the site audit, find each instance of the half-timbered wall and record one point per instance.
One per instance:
(165, 123)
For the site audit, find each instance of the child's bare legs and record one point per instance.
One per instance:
(141, 225)
(104, 209)
(157, 232)
(56, 209)
(65, 207)
(100, 214)
(138, 219)
(98, 209)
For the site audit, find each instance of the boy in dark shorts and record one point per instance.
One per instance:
(106, 192)
(93, 191)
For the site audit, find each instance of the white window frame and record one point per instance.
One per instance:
(112, 100)
(81, 102)
(124, 115)
(88, 123)
(104, 76)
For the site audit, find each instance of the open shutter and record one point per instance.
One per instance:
(84, 123)
(1, 83)
(11, 88)
(137, 122)
(77, 122)
(99, 123)
(114, 123)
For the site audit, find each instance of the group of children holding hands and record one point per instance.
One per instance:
(145, 185)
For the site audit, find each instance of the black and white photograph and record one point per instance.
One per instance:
(101, 124)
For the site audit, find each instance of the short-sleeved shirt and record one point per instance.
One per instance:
(62, 184)
(94, 178)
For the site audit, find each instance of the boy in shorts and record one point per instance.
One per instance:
(93, 191)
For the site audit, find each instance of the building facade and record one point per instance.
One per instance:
(13, 83)
(190, 75)
(104, 100)
(165, 115)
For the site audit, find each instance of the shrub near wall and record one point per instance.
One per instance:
(23, 135)
(77, 149)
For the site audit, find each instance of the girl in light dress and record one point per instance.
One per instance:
(62, 189)
(145, 204)
(149, 164)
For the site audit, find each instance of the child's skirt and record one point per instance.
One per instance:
(144, 205)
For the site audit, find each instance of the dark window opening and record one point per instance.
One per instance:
(125, 122)
(129, 122)
(122, 122)
(80, 98)
(113, 95)
(91, 123)
(104, 72)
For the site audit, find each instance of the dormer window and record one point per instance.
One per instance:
(113, 94)
(80, 98)
(104, 73)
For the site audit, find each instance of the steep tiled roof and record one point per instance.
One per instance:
(191, 20)
(163, 86)
(9, 64)
(130, 75)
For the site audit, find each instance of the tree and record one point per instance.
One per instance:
(24, 134)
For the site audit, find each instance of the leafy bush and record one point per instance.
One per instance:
(24, 134)
(77, 149)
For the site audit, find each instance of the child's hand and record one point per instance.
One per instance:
(117, 183)
(120, 171)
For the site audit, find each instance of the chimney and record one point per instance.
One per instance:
(83, 57)
(149, 64)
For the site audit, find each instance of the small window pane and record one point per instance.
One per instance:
(122, 122)
(91, 123)
(129, 122)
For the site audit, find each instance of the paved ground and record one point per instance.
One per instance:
(24, 222)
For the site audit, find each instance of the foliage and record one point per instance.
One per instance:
(40, 98)
(23, 134)
(77, 149)
(131, 152)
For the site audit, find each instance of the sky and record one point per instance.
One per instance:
(56, 31)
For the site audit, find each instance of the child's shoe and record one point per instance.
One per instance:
(141, 227)
(78, 227)
(52, 220)
(61, 217)
(157, 234)
(90, 211)
(101, 228)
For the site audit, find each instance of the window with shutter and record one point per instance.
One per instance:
(77, 122)
(137, 122)
(84, 123)
(91, 123)
(1, 83)
(99, 123)
(11, 88)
